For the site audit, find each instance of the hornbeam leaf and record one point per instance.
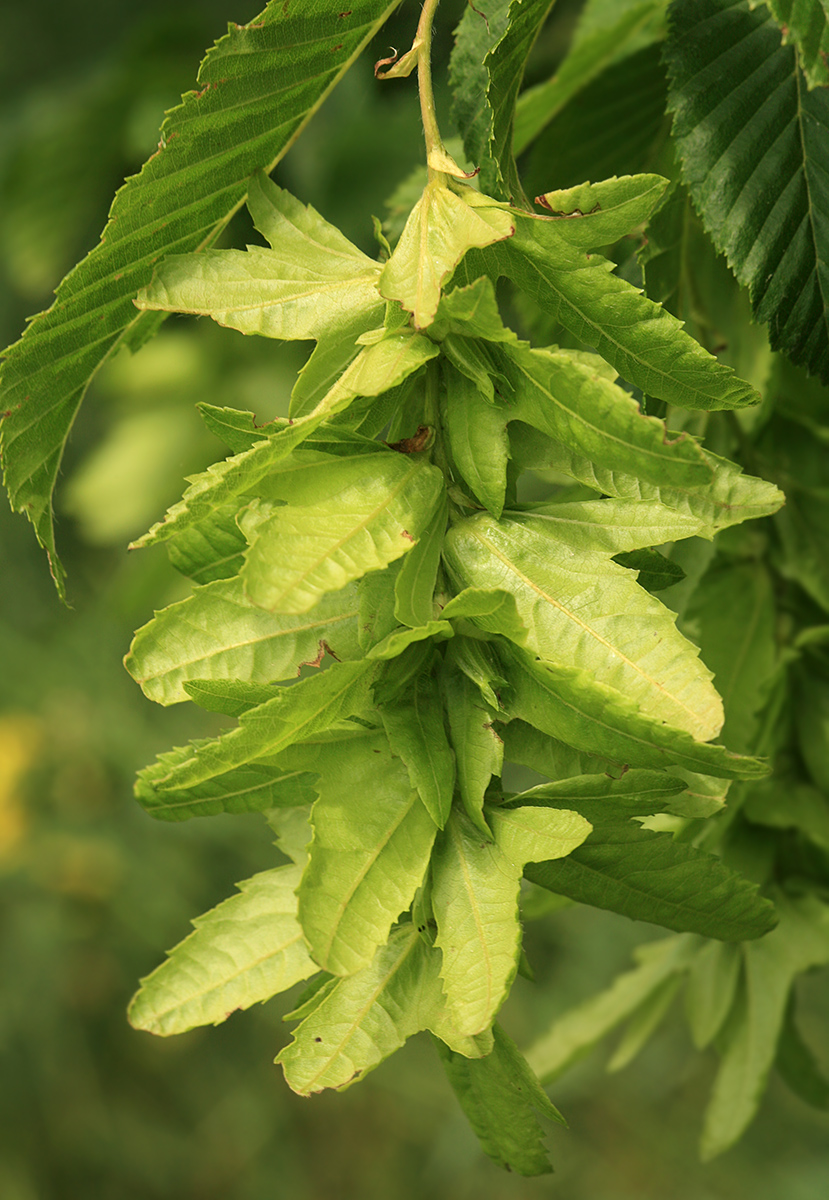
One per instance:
(229, 696)
(575, 708)
(242, 952)
(472, 311)
(299, 552)
(800, 941)
(414, 725)
(752, 141)
(475, 885)
(599, 420)
(218, 634)
(441, 228)
(647, 346)
(547, 756)
(376, 369)
(584, 611)
(576, 1032)
(414, 588)
(643, 875)
(473, 659)
(364, 1018)
(712, 985)
(612, 33)
(806, 24)
(244, 116)
(731, 498)
(502, 1098)
(477, 434)
(596, 214)
(479, 30)
(313, 282)
(479, 751)
(394, 643)
(176, 785)
(212, 548)
(371, 846)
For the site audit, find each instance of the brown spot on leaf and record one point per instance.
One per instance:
(412, 445)
(565, 216)
(345, 14)
(334, 49)
(405, 533)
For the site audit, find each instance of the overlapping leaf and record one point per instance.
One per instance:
(260, 85)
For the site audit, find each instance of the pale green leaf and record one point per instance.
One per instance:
(298, 553)
(502, 1098)
(394, 643)
(800, 941)
(584, 611)
(476, 432)
(239, 119)
(474, 660)
(575, 708)
(730, 498)
(479, 751)
(596, 214)
(414, 588)
(365, 1017)
(547, 756)
(371, 846)
(198, 778)
(441, 228)
(376, 369)
(643, 1023)
(243, 952)
(414, 725)
(313, 281)
(218, 634)
(577, 1031)
(470, 312)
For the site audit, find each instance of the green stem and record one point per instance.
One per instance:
(424, 83)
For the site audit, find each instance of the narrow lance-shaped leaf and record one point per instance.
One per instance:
(475, 885)
(376, 369)
(371, 846)
(752, 140)
(217, 633)
(576, 708)
(477, 435)
(414, 724)
(479, 751)
(299, 552)
(260, 84)
(643, 875)
(242, 952)
(414, 587)
(502, 1100)
(582, 610)
(364, 1018)
(198, 777)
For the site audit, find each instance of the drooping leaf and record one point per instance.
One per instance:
(371, 846)
(797, 1065)
(646, 345)
(575, 708)
(441, 228)
(200, 778)
(217, 633)
(479, 751)
(647, 876)
(414, 588)
(800, 941)
(477, 436)
(242, 118)
(242, 952)
(475, 903)
(364, 1018)
(502, 1099)
(751, 137)
(299, 552)
(584, 611)
(414, 725)
(581, 1028)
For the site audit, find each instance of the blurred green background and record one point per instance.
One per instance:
(91, 890)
